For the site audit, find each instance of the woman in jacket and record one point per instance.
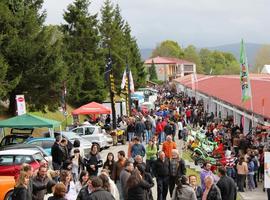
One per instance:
(59, 192)
(82, 181)
(211, 192)
(109, 163)
(137, 187)
(66, 179)
(148, 178)
(93, 161)
(151, 156)
(183, 191)
(20, 191)
(242, 170)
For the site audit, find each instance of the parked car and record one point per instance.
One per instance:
(95, 135)
(45, 154)
(11, 160)
(85, 145)
(45, 143)
(7, 184)
(14, 139)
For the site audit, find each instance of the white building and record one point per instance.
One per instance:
(171, 68)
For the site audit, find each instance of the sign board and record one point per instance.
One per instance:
(267, 169)
(21, 109)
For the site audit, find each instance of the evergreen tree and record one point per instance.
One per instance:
(152, 72)
(113, 43)
(82, 55)
(32, 55)
(134, 58)
(116, 36)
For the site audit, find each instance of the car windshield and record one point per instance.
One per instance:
(70, 135)
(38, 157)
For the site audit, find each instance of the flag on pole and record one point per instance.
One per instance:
(131, 82)
(108, 68)
(123, 83)
(244, 76)
(192, 82)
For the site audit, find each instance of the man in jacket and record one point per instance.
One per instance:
(168, 146)
(137, 148)
(86, 191)
(161, 171)
(118, 167)
(139, 129)
(226, 185)
(98, 192)
(39, 181)
(124, 175)
(57, 154)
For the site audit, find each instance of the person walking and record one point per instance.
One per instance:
(151, 156)
(211, 192)
(59, 192)
(168, 146)
(98, 193)
(194, 184)
(109, 163)
(93, 161)
(139, 129)
(161, 171)
(251, 169)
(137, 148)
(183, 190)
(57, 154)
(136, 186)
(177, 170)
(242, 171)
(118, 167)
(41, 180)
(204, 173)
(148, 130)
(226, 185)
(86, 191)
(20, 191)
(149, 179)
(124, 175)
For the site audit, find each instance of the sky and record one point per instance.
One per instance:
(203, 23)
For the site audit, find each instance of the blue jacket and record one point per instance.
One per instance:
(137, 149)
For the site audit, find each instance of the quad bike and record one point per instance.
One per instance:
(118, 136)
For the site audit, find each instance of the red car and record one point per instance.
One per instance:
(11, 160)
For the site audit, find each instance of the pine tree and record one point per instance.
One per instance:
(152, 72)
(32, 55)
(85, 79)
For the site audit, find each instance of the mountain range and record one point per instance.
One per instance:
(251, 50)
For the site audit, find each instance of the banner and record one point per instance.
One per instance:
(21, 109)
(244, 76)
(267, 169)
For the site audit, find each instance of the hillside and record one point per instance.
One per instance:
(251, 50)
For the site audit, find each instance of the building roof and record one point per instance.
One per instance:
(167, 60)
(227, 88)
(266, 69)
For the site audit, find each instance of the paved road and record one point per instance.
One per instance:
(115, 149)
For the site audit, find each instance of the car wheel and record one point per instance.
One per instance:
(8, 195)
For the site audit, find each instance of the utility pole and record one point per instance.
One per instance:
(128, 97)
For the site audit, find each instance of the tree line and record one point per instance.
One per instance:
(39, 61)
(207, 61)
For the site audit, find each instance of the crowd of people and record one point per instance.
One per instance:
(153, 153)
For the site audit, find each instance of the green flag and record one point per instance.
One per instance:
(244, 76)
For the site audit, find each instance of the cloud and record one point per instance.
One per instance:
(198, 22)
